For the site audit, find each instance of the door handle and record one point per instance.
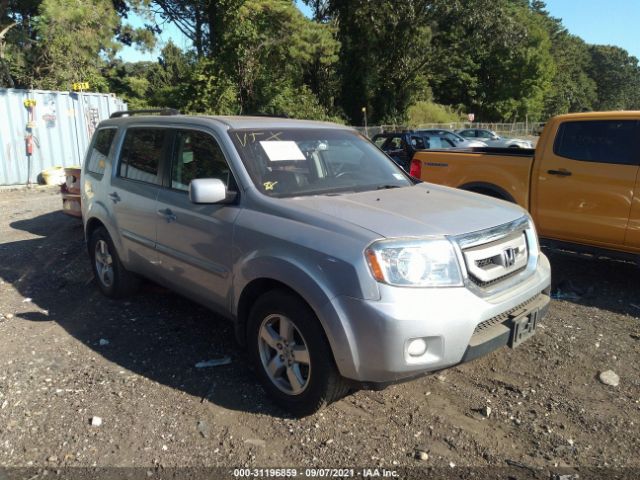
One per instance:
(562, 173)
(115, 197)
(167, 214)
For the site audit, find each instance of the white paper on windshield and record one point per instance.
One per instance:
(282, 150)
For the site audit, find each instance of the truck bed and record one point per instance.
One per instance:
(500, 172)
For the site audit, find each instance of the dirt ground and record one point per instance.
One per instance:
(68, 354)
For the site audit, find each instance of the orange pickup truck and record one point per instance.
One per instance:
(581, 183)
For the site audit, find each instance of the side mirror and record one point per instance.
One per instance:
(209, 190)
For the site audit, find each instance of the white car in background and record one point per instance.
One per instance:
(457, 140)
(492, 139)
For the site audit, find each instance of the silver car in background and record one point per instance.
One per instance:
(336, 268)
(492, 139)
(456, 140)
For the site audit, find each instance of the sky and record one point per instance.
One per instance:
(612, 22)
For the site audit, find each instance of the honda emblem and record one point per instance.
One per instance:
(509, 257)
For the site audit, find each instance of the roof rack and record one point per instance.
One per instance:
(161, 111)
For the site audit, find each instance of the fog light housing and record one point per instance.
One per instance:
(416, 347)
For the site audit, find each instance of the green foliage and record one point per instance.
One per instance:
(384, 57)
(73, 35)
(490, 57)
(428, 112)
(617, 78)
(268, 48)
(572, 89)
(209, 90)
(422, 61)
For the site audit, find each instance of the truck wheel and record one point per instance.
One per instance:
(291, 354)
(113, 279)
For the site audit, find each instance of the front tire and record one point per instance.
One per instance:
(113, 279)
(291, 354)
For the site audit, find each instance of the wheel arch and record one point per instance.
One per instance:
(488, 189)
(98, 217)
(278, 273)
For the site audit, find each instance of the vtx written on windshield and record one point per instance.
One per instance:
(246, 138)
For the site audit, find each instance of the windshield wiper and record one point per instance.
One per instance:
(386, 187)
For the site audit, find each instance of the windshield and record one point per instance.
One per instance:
(296, 162)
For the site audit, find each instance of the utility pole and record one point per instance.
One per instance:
(364, 113)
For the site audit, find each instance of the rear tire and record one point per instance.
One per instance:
(291, 354)
(112, 278)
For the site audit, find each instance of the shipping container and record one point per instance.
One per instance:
(61, 125)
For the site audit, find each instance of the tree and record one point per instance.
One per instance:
(490, 57)
(74, 37)
(56, 42)
(268, 49)
(617, 78)
(384, 56)
(572, 89)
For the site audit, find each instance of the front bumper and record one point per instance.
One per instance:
(372, 346)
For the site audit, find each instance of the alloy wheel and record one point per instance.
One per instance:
(104, 263)
(284, 354)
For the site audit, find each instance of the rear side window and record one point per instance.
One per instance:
(607, 141)
(141, 153)
(418, 142)
(100, 150)
(379, 141)
(198, 155)
(395, 143)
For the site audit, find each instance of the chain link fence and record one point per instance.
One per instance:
(517, 129)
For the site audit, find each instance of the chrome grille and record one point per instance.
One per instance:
(492, 262)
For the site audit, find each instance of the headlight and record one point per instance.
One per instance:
(414, 263)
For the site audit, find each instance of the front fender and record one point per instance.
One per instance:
(313, 286)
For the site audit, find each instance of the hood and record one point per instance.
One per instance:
(421, 210)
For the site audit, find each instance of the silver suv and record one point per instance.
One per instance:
(336, 268)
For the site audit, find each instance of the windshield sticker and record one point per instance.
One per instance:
(269, 185)
(398, 176)
(282, 151)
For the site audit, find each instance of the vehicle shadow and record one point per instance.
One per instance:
(155, 333)
(161, 335)
(595, 282)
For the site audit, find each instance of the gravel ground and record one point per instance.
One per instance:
(70, 355)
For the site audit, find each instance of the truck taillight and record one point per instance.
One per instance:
(416, 168)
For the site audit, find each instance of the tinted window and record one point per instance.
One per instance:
(468, 133)
(439, 142)
(100, 149)
(451, 137)
(379, 141)
(395, 143)
(609, 141)
(418, 142)
(141, 153)
(197, 155)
